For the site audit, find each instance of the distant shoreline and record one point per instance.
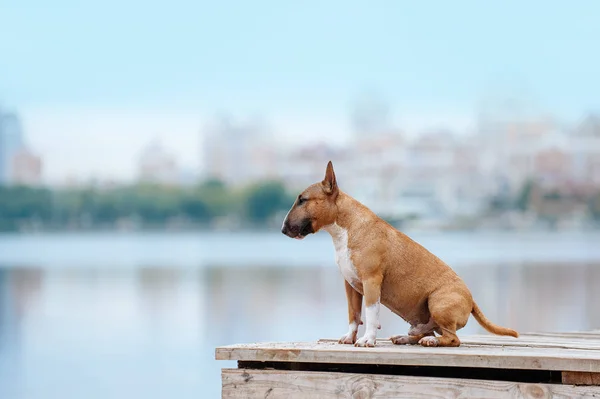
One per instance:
(275, 229)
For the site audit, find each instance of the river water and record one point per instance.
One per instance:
(115, 315)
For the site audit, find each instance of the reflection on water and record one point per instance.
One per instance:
(151, 332)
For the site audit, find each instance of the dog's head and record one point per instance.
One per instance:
(314, 208)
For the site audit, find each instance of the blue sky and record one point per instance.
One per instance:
(82, 72)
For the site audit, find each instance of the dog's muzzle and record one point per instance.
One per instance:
(297, 231)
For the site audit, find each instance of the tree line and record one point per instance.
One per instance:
(211, 204)
(143, 205)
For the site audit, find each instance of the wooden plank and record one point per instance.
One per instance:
(592, 335)
(385, 352)
(530, 341)
(540, 337)
(580, 378)
(583, 339)
(274, 384)
(525, 341)
(535, 342)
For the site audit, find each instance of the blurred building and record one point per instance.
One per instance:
(158, 166)
(584, 142)
(11, 143)
(509, 144)
(372, 170)
(238, 153)
(541, 149)
(443, 176)
(298, 167)
(551, 163)
(26, 168)
(18, 164)
(431, 176)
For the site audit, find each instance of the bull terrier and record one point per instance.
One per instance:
(385, 266)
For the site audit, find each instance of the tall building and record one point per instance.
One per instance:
(11, 143)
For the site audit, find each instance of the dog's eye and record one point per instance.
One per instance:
(301, 200)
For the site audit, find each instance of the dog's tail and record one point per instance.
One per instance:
(489, 326)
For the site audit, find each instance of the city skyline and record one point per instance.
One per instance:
(92, 83)
(120, 137)
(183, 138)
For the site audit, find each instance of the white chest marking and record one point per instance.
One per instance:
(342, 253)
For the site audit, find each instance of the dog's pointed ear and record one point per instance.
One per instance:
(329, 183)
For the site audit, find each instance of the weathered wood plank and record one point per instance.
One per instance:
(524, 341)
(590, 339)
(580, 378)
(385, 352)
(594, 334)
(535, 342)
(541, 337)
(274, 384)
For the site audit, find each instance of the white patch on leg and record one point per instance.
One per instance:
(372, 315)
(342, 253)
(350, 336)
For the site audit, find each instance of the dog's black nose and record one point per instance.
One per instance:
(284, 229)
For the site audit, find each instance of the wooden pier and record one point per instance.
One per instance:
(536, 365)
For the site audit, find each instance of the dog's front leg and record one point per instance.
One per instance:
(372, 293)
(354, 299)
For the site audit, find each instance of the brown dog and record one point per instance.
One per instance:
(385, 266)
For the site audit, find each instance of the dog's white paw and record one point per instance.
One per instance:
(365, 341)
(348, 339)
(429, 341)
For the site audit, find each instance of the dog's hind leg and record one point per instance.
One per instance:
(448, 338)
(449, 310)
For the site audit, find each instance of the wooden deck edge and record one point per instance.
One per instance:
(550, 360)
(272, 384)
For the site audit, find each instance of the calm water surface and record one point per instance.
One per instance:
(139, 315)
